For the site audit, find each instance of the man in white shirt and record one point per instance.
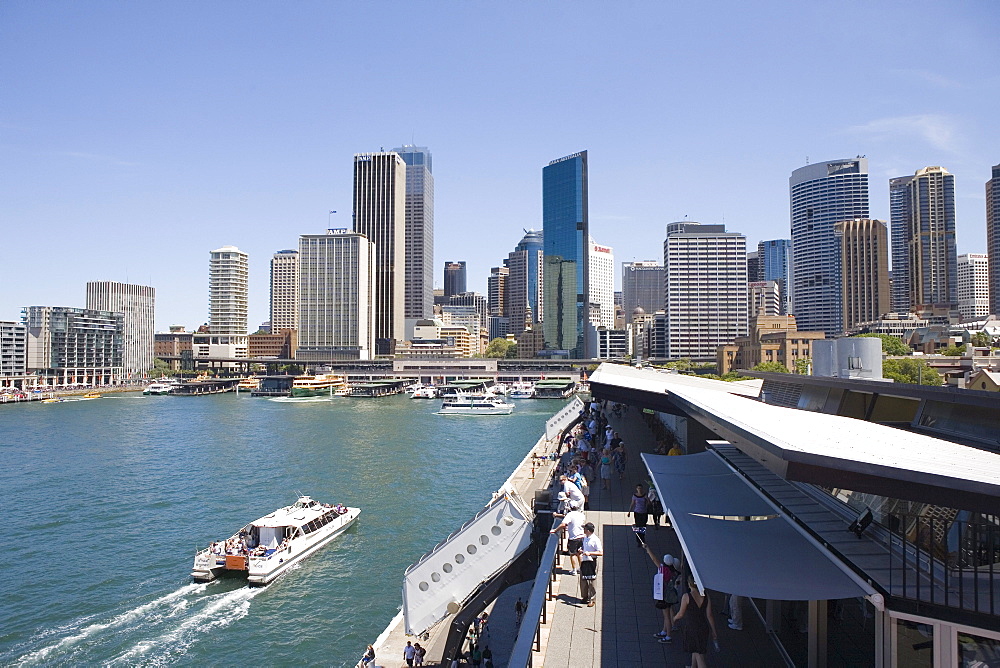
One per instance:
(574, 493)
(590, 549)
(572, 524)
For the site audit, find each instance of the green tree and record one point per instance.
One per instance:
(802, 366)
(912, 371)
(773, 367)
(160, 369)
(982, 340)
(683, 364)
(499, 347)
(954, 351)
(890, 344)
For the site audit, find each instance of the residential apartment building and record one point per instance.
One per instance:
(642, 287)
(285, 290)
(973, 286)
(74, 346)
(566, 232)
(380, 215)
(175, 343)
(229, 270)
(336, 286)
(418, 300)
(602, 284)
(13, 354)
(496, 290)
(864, 256)
(706, 301)
(136, 303)
(822, 195)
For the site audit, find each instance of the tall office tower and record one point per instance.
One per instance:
(69, 346)
(602, 284)
(284, 290)
(136, 304)
(993, 237)
(899, 226)
(454, 278)
(864, 252)
(973, 286)
(380, 215)
(566, 231)
(336, 284)
(706, 288)
(470, 299)
(228, 273)
(419, 276)
(496, 289)
(753, 266)
(525, 286)
(774, 258)
(821, 195)
(642, 286)
(933, 255)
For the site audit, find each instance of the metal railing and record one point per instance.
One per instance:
(529, 635)
(947, 562)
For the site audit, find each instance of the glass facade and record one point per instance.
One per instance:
(899, 225)
(419, 272)
(933, 257)
(565, 229)
(822, 195)
(774, 259)
(993, 237)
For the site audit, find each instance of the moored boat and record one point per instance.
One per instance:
(161, 387)
(476, 404)
(522, 390)
(424, 392)
(267, 547)
(251, 383)
(320, 385)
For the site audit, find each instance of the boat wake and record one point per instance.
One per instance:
(154, 633)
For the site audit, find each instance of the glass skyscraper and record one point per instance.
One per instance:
(933, 257)
(822, 195)
(566, 231)
(993, 237)
(774, 261)
(899, 229)
(642, 286)
(418, 301)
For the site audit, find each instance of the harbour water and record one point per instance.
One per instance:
(105, 501)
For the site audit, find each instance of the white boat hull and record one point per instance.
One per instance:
(263, 570)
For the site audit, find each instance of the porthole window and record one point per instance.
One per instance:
(471, 549)
(447, 568)
(484, 539)
(459, 558)
(436, 577)
(495, 531)
(423, 586)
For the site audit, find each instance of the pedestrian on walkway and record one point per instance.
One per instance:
(655, 506)
(418, 654)
(621, 458)
(639, 509)
(699, 627)
(572, 524)
(518, 612)
(408, 653)
(606, 469)
(665, 595)
(735, 605)
(589, 551)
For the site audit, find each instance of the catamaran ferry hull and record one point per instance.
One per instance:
(264, 569)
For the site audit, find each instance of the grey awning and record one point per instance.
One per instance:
(765, 558)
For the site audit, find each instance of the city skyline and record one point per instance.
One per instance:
(157, 125)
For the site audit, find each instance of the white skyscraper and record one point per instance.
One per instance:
(136, 304)
(973, 286)
(706, 288)
(228, 274)
(602, 284)
(285, 290)
(380, 215)
(336, 284)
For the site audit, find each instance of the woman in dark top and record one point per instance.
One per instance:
(640, 511)
(698, 627)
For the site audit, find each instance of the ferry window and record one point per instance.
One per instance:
(471, 549)
(447, 568)
(436, 576)
(424, 586)
(977, 651)
(484, 539)
(459, 558)
(495, 531)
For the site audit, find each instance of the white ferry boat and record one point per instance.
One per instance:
(476, 404)
(320, 385)
(267, 547)
(160, 387)
(424, 392)
(522, 390)
(251, 383)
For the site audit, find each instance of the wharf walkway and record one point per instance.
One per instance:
(619, 631)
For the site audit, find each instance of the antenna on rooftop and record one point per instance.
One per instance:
(807, 159)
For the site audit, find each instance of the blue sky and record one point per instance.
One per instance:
(136, 137)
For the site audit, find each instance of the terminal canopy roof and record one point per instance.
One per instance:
(736, 542)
